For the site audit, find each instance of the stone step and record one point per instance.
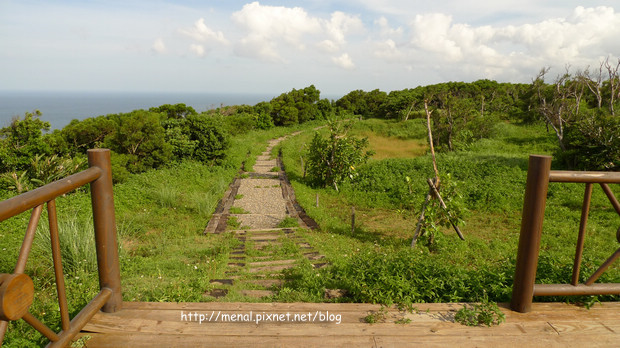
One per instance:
(222, 281)
(272, 263)
(275, 268)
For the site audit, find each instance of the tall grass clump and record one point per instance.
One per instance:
(77, 244)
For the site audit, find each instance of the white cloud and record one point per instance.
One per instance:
(388, 50)
(385, 30)
(344, 61)
(198, 50)
(341, 24)
(328, 46)
(201, 33)
(269, 27)
(159, 46)
(431, 34)
(506, 51)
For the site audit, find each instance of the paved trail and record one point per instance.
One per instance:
(253, 209)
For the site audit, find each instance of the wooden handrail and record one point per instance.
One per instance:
(16, 291)
(538, 177)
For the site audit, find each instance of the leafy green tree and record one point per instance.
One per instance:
(179, 138)
(88, 133)
(296, 106)
(21, 141)
(175, 111)
(211, 139)
(332, 160)
(593, 143)
(365, 104)
(140, 135)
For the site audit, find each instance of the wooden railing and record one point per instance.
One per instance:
(17, 289)
(538, 177)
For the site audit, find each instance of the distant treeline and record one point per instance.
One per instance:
(579, 108)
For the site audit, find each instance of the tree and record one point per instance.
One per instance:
(140, 135)
(332, 160)
(22, 140)
(614, 83)
(210, 138)
(296, 106)
(175, 111)
(88, 133)
(556, 103)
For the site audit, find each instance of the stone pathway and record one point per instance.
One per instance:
(254, 209)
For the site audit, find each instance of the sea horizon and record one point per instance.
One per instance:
(60, 107)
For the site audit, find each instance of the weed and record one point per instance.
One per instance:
(238, 210)
(376, 316)
(233, 222)
(483, 313)
(288, 222)
(403, 321)
(238, 197)
(275, 169)
(81, 342)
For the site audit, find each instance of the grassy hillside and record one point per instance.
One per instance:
(162, 213)
(375, 263)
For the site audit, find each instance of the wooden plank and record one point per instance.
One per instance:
(344, 316)
(108, 324)
(160, 324)
(540, 311)
(168, 340)
(163, 340)
(497, 341)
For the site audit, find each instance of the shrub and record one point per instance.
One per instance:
(333, 160)
(211, 139)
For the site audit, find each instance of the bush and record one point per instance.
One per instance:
(593, 144)
(211, 139)
(333, 160)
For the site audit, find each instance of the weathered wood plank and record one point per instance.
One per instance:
(161, 324)
(162, 340)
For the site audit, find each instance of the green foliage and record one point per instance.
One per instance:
(296, 106)
(211, 140)
(333, 160)
(593, 144)
(483, 313)
(435, 216)
(77, 244)
(140, 135)
(48, 169)
(288, 222)
(376, 316)
(364, 104)
(175, 111)
(22, 140)
(402, 275)
(88, 133)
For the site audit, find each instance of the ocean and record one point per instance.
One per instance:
(59, 108)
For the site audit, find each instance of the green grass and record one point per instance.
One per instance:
(164, 256)
(160, 217)
(375, 263)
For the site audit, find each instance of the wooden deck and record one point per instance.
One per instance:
(142, 324)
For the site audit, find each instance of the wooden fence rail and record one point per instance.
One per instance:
(538, 177)
(17, 289)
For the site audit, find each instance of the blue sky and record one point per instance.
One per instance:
(273, 46)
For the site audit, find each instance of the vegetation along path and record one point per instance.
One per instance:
(260, 210)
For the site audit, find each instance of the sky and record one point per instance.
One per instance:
(231, 46)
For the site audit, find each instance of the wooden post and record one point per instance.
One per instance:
(531, 228)
(317, 200)
(105, 229)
